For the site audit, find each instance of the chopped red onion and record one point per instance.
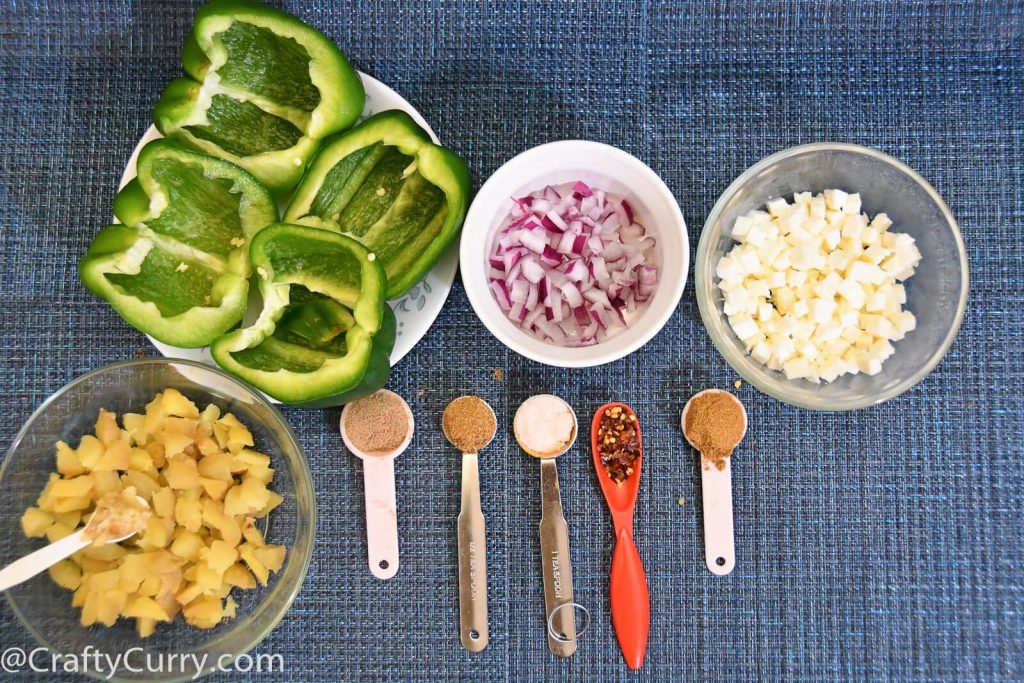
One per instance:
(572, 266)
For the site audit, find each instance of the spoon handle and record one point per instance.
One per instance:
(472, 560)
(719, 544)
(630, 601)
(39, 561)
(557, 568)
(381, 516)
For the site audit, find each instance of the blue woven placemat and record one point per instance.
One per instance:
(884, 544)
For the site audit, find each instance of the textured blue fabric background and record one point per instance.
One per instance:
(884, 544)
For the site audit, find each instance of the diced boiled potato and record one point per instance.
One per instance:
(272, 556)
(215, 517)
(252, 533)
(188, 544)
(204, 612)
(89, 451)
(217, 466)
(36, 522)
(259, 570)
(205, 486)
(140, 459)
(215, 488)
(181, 472)
(145, 627)
(175, 443)
(230, 608)
(163, 502)
(173, 402)
(115, 457)
(238, 575)
(142, 607)
(135, 425)
(144, 484)
(72, 488)
(188, 511)
(108, 553)
(70, 504)
(107, 430)
(247, 498)
(275, 500)
(68, 463)
(66, 574)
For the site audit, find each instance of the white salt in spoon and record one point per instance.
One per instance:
(39, 561)
(381, 504)
(554, 534)
(716, 486)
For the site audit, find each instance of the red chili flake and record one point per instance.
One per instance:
(618, 443)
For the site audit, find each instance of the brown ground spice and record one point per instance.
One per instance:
(469, 423)
(715, 424)
(378, 423)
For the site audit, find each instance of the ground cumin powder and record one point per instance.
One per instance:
(469, 423)
(378, 423)
(715, 424)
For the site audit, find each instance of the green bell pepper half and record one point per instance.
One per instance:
(387, 185)
(263, 88)
(178, 267)
(325, 334)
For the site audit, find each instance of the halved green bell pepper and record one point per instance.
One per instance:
(325, 333)
(387, 185)
(178, 267)
(263, 88)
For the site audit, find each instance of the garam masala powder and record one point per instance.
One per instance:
(714, 425)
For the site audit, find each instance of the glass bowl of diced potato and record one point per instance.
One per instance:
(229, 537)
(870, 183)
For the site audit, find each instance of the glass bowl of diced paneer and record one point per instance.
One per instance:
(831, 276)
(224, 546)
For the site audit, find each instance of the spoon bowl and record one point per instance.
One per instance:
(620, 499)
(686, 410)
(362, 455)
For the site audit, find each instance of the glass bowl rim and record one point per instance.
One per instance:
(303, 480)
(759, 377)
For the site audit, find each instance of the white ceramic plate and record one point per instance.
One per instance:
(416, 311)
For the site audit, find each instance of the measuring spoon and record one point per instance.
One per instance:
(628, 594)
(554, 542)
(472, 537)
(716, 486)
(381, 505)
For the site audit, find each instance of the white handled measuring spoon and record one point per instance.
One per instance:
(549, 419)
(469, 424)
(39, 561)
(716, 486)
(379, 488)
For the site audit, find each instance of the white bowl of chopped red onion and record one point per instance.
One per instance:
(574, 254)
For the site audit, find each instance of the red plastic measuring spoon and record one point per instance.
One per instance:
(631, 603)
